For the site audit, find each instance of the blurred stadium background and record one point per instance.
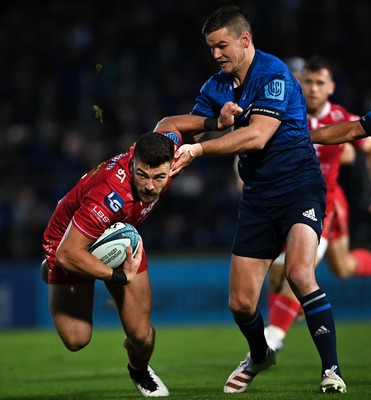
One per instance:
(140, 61)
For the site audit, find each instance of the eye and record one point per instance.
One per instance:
(141, 175)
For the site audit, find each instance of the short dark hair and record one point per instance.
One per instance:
(231, 17)
(154, 149)
(315, 63)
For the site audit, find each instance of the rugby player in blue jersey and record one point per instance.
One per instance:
(283, 198)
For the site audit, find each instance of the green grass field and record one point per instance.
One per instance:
(193, 361)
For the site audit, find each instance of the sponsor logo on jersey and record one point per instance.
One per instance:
(121, 175)
(147, 210)
(99, 214)
(275, 89)
(97, 168)
(113, 160)
(114, 202)
(247, 112)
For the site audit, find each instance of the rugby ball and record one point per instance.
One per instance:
(110, 247)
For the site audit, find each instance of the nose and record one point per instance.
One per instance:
(216, 53)
(149, 186)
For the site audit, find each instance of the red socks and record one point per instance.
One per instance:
(363, 258)
(283, 312)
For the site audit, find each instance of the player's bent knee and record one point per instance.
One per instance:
(75, 344)
(140, 337)
(238, 307)
(75, 340)
(301, 282)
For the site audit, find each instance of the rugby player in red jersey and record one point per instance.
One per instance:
(127, 187)
(318, 85)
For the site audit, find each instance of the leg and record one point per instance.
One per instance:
(134, 307)
(300, 261)
(246, 280)
(276, 280)
(345, 263)
(134, 303)
(286, 307)
(71, 307)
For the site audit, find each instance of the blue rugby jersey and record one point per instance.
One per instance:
(288, 160)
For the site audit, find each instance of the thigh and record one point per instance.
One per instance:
(257, 234)
(339, 258)
(71, 307)
(134, 303)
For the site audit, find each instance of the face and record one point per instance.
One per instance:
(149, 182)
(228, 51)
(317, 87)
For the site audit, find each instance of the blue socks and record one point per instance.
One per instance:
(321, 325)
(253, 330)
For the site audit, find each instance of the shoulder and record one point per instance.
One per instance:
(269, 64)
(218, 81)
(341, 113)
(268, 70)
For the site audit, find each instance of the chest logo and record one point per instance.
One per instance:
(114, 202)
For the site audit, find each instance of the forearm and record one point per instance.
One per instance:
(81, 262)
(338, 133)
(185, 124)
(343, 131)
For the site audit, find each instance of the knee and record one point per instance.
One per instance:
(301, 279)
(140, 337)
(75, 342)
(342, 273)
(140, 343)
(240, 306)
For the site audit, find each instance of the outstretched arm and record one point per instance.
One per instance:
(191, 125)
(343, 132)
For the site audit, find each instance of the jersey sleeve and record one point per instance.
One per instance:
(273, 97)
(175, 137)
(213, 95)
(100, 207)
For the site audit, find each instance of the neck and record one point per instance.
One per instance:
(241, 71)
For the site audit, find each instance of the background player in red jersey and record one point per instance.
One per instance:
(318, 85)
(126, 188)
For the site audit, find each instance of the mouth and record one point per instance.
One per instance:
(148, 197)
(311, 98)
(222, 64)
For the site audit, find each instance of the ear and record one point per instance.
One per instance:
(245, 39)
(332, 88)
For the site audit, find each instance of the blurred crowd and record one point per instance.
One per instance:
(81, 80)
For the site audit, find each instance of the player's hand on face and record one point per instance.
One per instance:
(184, 156)
(228, 113)
(132, 263)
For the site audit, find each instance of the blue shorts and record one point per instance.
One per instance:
(262, 230)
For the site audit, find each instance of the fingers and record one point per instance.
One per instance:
(183, 157)
(183, 161)
(132, 263)
(228, 113)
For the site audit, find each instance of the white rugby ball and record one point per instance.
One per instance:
(110, 247)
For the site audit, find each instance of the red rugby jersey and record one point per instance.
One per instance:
(102, 197)
(330, 155)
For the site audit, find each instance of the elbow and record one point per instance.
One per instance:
(62, 259)
(259, 146)
(255, 145)
(165, 123)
